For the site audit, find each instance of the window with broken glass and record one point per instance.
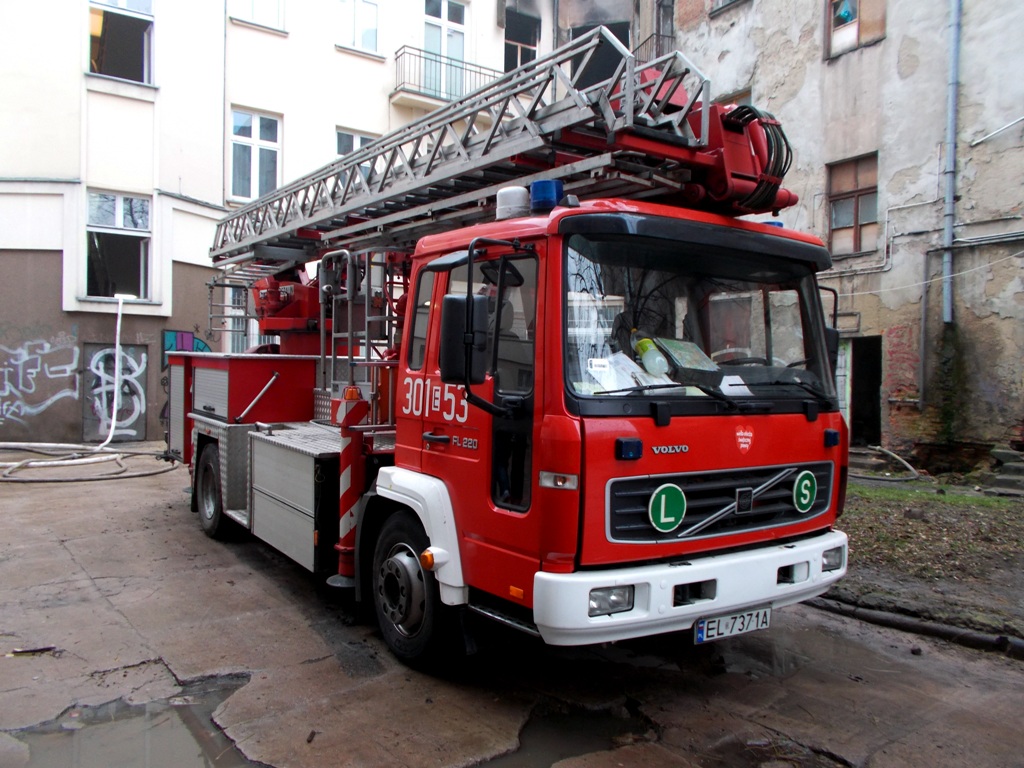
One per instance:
(521, 35)
(118, 238)
(854, 23)
(121, 39)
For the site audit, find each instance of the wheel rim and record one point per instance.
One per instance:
(400, 591)
(209, 493)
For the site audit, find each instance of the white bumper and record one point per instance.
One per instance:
(774, 575)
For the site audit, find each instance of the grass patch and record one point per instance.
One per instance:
(916, 530)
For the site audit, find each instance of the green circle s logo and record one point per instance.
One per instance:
(805, 491)
(667, 507)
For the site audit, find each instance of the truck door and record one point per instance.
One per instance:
(486, 459)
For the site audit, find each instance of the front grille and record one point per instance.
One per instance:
(717, 503)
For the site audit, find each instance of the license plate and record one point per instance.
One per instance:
(707, 630)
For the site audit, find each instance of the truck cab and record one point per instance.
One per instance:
(627, 415)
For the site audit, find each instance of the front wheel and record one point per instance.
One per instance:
(215, 523)
(405, 595)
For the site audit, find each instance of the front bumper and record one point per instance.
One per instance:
(775, 575)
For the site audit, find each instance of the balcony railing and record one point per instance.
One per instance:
(653, 47)
(437, 76)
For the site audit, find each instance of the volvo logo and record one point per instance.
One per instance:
(671, 449)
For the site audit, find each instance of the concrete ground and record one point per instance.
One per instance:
(115, 585)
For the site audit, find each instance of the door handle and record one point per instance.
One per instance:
(430, 437)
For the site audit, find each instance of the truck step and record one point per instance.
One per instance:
(503, 618)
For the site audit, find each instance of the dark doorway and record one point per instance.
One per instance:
(866, 391)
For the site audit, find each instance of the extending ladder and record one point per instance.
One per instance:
(441, 170)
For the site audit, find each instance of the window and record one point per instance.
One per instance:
(118, 234)
(853, 205)
(853, 23)
(120, 39)
(255, 146)
(739, 98)
(719, 5)
(665, 18)
(420, 321)
(349, 142)
(444, 39)
(359, 24)
(266, 13)
(521, 35)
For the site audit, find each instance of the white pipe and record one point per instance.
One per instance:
(117, 370)
(997, 132)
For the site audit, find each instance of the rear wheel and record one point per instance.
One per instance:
(215, 523)
(406, 595)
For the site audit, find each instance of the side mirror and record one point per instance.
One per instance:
(461, 357)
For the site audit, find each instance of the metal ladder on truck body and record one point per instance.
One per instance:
(646, 131)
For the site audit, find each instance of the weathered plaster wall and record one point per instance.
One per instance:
(889, 97)
(56, 368)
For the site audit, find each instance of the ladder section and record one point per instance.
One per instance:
(368, 337)
(230, 310)
(437, 171)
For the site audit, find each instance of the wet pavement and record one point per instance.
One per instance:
(131, 611)
(178, 732)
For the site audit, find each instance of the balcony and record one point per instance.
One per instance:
(426, 80)
(653, 47)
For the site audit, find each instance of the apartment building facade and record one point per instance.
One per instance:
(139, 123)
(132, 126)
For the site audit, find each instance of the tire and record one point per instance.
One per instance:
(215, 523)
(406, 597)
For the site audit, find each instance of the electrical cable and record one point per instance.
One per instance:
(935, 279)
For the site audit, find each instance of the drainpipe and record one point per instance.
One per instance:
(956, 14)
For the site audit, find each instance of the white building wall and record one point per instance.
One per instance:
(302, 74)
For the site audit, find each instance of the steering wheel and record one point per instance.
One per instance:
(744, 361)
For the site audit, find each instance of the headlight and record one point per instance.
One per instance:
(833, 559)
(611, 600)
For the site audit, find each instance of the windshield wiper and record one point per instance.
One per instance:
(719, 396)
(639, 388)
(819, 394)
(709, 391)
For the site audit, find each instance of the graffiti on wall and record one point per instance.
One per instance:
(182, 341)
(177, 341)
(36, 375)
(121, 403)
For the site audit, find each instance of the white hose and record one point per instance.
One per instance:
(74, 454)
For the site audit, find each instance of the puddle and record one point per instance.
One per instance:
(177, 732)
(553, 735)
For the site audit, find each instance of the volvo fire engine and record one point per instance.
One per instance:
(533, 357)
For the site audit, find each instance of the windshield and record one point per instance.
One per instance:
(648, 318)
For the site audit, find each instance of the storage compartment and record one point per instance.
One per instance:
(294, 492)
(176, 398)
(211, 392)
(245, 389)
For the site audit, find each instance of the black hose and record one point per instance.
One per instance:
(779, 160)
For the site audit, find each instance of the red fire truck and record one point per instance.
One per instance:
(598, 409)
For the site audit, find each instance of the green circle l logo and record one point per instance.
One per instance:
(805, 491)
(667, 507)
